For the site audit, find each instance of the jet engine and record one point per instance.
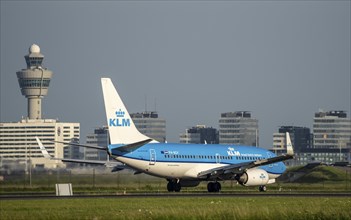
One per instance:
(253, 177)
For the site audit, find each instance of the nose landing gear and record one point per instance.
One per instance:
(173, 186)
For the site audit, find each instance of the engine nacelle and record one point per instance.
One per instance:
(254, 177)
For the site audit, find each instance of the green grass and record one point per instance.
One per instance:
(179, 208)
(318, 179)
(323, 173)
(118, 183)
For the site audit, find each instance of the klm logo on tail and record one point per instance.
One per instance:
(119, 121)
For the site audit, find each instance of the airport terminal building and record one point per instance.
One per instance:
(19, 147)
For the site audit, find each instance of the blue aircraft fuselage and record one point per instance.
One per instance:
(173, 153)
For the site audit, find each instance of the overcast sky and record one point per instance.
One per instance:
(191, 60)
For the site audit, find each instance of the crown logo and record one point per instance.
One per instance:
(120, 113)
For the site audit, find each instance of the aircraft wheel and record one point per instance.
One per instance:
(177, 187)
(170, 186)
(173, 186)
(217, 187)
(262, 188)
(210, 187)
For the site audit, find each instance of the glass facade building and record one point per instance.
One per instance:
(331, 130)
(301, 138)
(238, 128)
(199, 135)
(149, 124)
(99, 138)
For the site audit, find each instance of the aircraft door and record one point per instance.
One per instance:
(218, 158)
(152, 157)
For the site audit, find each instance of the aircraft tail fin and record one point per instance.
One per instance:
(289, 147)
(120, 125)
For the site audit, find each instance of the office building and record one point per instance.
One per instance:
(238, 128)
(149, 124)
(199, 134)
(331, 130)
(18, 144)
(300, 138)
(330, 142)
(327, 156)
(17, 139)
(99, 138)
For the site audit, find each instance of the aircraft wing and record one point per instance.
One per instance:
(240, 168)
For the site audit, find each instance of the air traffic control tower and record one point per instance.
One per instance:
(18, 146)
(34, 81)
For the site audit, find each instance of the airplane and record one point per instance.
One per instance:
(185, 165)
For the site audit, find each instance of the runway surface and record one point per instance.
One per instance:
(170, 195)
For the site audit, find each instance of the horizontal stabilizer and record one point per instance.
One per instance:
(131, 147)
(116, 166)
(81, 145)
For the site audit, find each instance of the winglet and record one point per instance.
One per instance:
(42, 148)
(289, 147)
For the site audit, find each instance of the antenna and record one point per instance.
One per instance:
(145, 103)
(155, 104)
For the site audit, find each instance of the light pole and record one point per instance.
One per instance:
(30, 167)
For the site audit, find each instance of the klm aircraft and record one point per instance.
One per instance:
(183, 165)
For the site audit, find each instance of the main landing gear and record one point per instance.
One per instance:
(173, 186)
(262, 188)
(214, 187)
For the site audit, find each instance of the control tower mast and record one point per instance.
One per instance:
(34, 81)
